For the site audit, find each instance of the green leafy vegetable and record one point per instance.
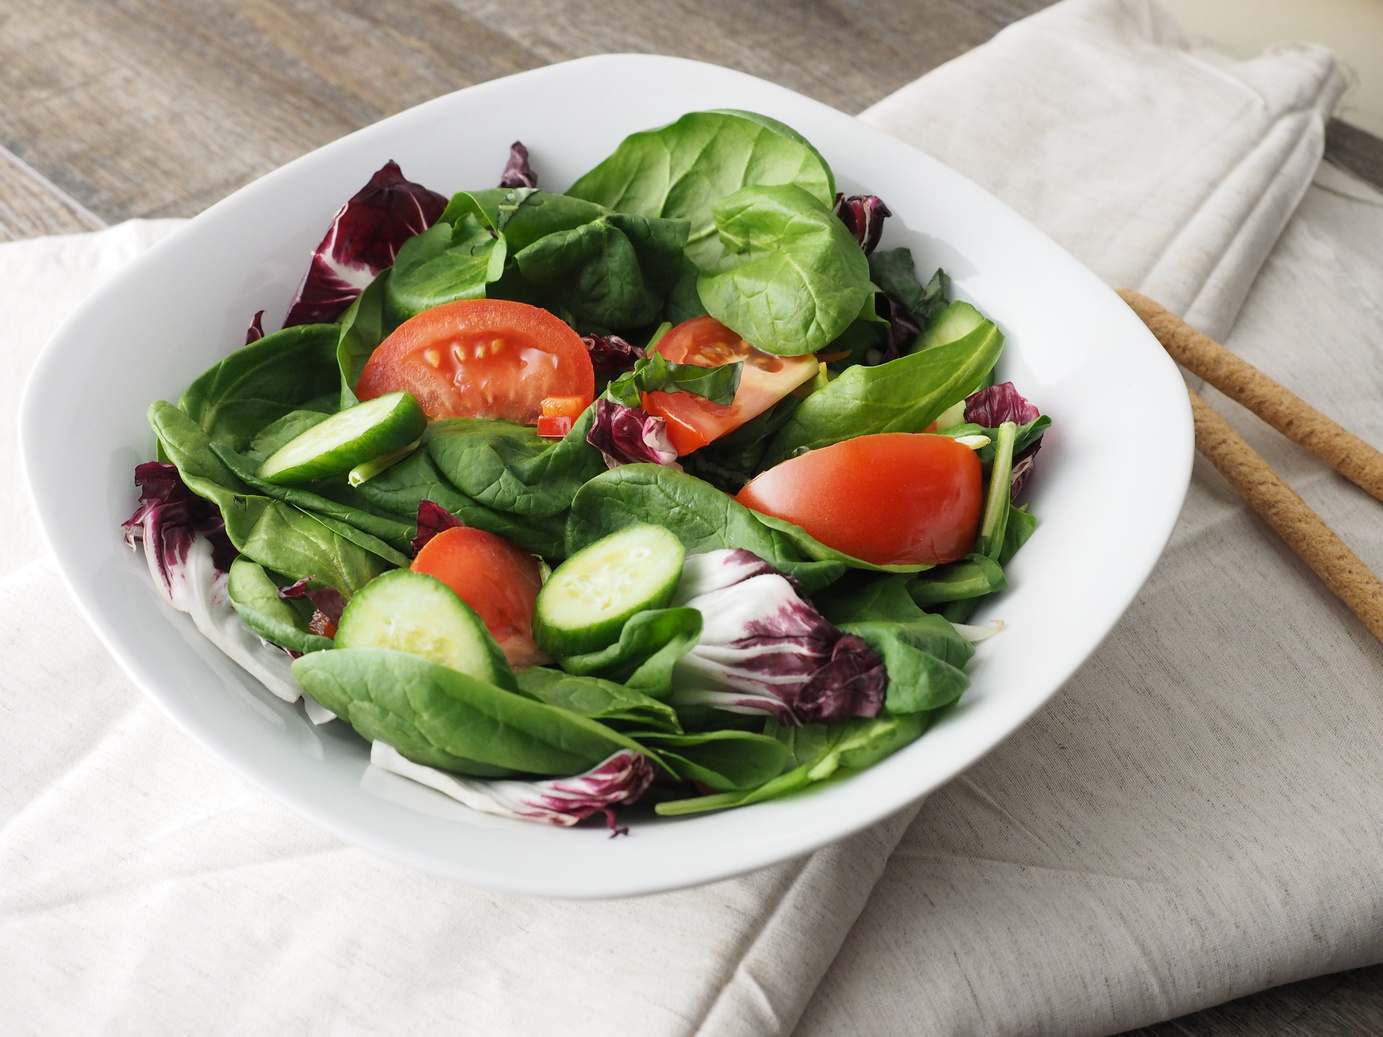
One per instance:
(363, 328)
(442, 718)
(263, 381)
(895, 273)
(903, 395)
(255, 597)
(443, 264)
(720, 760)
(656, 373)
(793, 278)
(610, 702)
(649, 645)
(974, 577)
(682, 170)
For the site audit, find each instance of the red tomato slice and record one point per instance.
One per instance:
(693, 421)
(492, 576)
(481, 358)
(895, 498)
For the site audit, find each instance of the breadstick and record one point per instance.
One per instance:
(1296, 419)
(1315, 543)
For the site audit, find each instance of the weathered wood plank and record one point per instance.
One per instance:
(165, 106)
(1356, 150)
(30, 205)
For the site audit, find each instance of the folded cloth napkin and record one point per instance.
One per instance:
(1190, 819)
(147, 889)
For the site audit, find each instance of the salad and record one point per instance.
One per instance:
(673, 488)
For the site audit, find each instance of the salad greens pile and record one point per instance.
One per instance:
(770, 661)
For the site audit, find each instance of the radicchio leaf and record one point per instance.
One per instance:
(864, 215)
(765, 649)
(999, 403)
(612, 354)
(328, 600)
(432, 519)
(630, 435)
(902, 329)
(363, 239)
(255, 331)
(558, 801)
(189, 556)
(169, 516)
(517, 172)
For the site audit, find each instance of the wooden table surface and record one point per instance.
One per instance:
(146, 108)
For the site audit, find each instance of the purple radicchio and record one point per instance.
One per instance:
(255, 331)
(432, 519)
(999, 403)
(612, 354)
(622, 778)
(363, 239)
(629, 435)
(863, 215)
(517, 171)
(765, 649)
(327, 600)
(902, 329)
(189, 557)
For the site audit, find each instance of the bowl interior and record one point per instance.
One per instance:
(1106, 493)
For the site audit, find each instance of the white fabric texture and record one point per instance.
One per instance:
(143, 888)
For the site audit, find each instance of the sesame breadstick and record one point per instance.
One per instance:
(1315, 543)
(1296, 419)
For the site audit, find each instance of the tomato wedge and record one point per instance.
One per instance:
(895, 498)
(693, 421)
(481, 358)
(494, 577)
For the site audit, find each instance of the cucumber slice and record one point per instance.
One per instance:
(585, 602)
(954, 322)
(419, 614)
(346, 439)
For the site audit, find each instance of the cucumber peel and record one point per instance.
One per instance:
(347, 439)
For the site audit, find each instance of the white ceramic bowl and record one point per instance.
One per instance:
(1109, 483)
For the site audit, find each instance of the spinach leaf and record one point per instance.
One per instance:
(440, 717)
(1020, 526)
(794, 276)
(510, 467)
(720, 760)
(682, 302)
(812, 548)
(263, 381)
(974, 577)
(363, 327)
(681, 170)
(400, 488)
(896, 275)
(922, 653)
(656, 373)
(446, 262)
(702, 517)
(278, 535)
(384, 536)
(815, 753)
(903, 395)
(607, 701)
(255, 597)
(649, 645)
(611, 273)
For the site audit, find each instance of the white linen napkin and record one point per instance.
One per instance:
(145, 888)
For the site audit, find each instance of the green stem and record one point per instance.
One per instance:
(991, 538)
